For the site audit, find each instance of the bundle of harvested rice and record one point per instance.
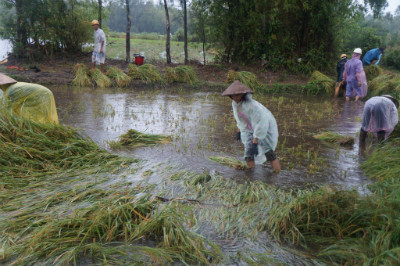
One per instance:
(99, 78)
(119, 76)
(333, 137)
(231, 162)
(147, 73)
(181, 74)
(81, 77)
(372, 72)
(247, 78)
(323, 82)
(134, 139)
(384, 83)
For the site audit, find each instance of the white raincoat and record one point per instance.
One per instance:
(256, 121)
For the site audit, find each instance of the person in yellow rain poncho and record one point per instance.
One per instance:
(31, 101)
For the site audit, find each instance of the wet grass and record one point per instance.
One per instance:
(134, 139)
(231, 162)
(334, 137)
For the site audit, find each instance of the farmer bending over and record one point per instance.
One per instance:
(372, 57)
(31, 101)
(380, 116)
(99, 51)
(354, 75)
(257, 125)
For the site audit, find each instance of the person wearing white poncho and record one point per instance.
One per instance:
(257, 125)
(380, 116)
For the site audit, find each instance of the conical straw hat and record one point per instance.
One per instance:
(4, 80)
(236, 87)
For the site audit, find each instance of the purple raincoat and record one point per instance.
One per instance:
(352, 67)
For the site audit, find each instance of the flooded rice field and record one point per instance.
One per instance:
(202, 125)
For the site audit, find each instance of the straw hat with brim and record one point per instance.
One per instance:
(236, 88)
(95, 22)
(395, 101)
(5, 80)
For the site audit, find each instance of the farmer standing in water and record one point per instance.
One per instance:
(257, 125)
(99, 51)
(354, 76)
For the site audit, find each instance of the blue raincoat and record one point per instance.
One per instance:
(255, 121)
(371, 55)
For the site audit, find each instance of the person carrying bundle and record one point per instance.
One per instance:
(380, 116)
(340, 70)
(258, 128)
(31, 101)
(354, 76)
(373, 57)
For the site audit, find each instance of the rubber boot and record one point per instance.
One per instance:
(381, 136)
(363, 136)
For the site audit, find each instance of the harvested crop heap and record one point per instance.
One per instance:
(319, 82)
(134, 139)
(121, 79)
(147, 73)
(372, 71)
(333, 137)
(247, 78)
(181, 74)
(231, 162)
(387, 83)
(58, 205)
(81, 77)
(99, 78)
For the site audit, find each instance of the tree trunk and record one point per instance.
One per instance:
(100, 7)
(167, 44)
(185, 31)
(21, 29)
(128, 32)
(204, 44)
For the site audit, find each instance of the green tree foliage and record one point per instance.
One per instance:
(47, 26)
(146, 17)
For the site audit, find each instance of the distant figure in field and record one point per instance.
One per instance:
(372, 57)
(340, 70)
(99, 51)
(380, 116)
(354, 76)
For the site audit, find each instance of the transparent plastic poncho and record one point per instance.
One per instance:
(380, 114)
(255, 121)
(31, 101)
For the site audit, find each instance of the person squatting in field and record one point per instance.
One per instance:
(258, 128)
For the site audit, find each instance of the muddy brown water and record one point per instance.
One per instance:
(202, 126)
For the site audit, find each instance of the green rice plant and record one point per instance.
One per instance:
(247, 78)
(231, 162)
(147, 73)
(99, 78)
(324, 83)
(372, 71)
(181, 74)
(134, 139)
(334, 137)
(119, 76)
(81, 77)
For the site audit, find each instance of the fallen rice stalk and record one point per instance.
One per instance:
(81, 77)
(134, 139)
(119, 76)
(99, 78)
(231, 162)
(333, 137)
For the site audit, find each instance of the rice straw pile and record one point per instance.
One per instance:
(385, 83)
(247, 78)
(231, 162)
(181, 74)
(146, 73)
(134, 139)
(333, 137)
(81, 77)
(372, 71)
(121, 79)
(99, 78)
(323, 82)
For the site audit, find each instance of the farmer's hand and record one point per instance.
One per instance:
(238, 135)
(359, 83)
(101, 50)
(255, 140)
(254, 149)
